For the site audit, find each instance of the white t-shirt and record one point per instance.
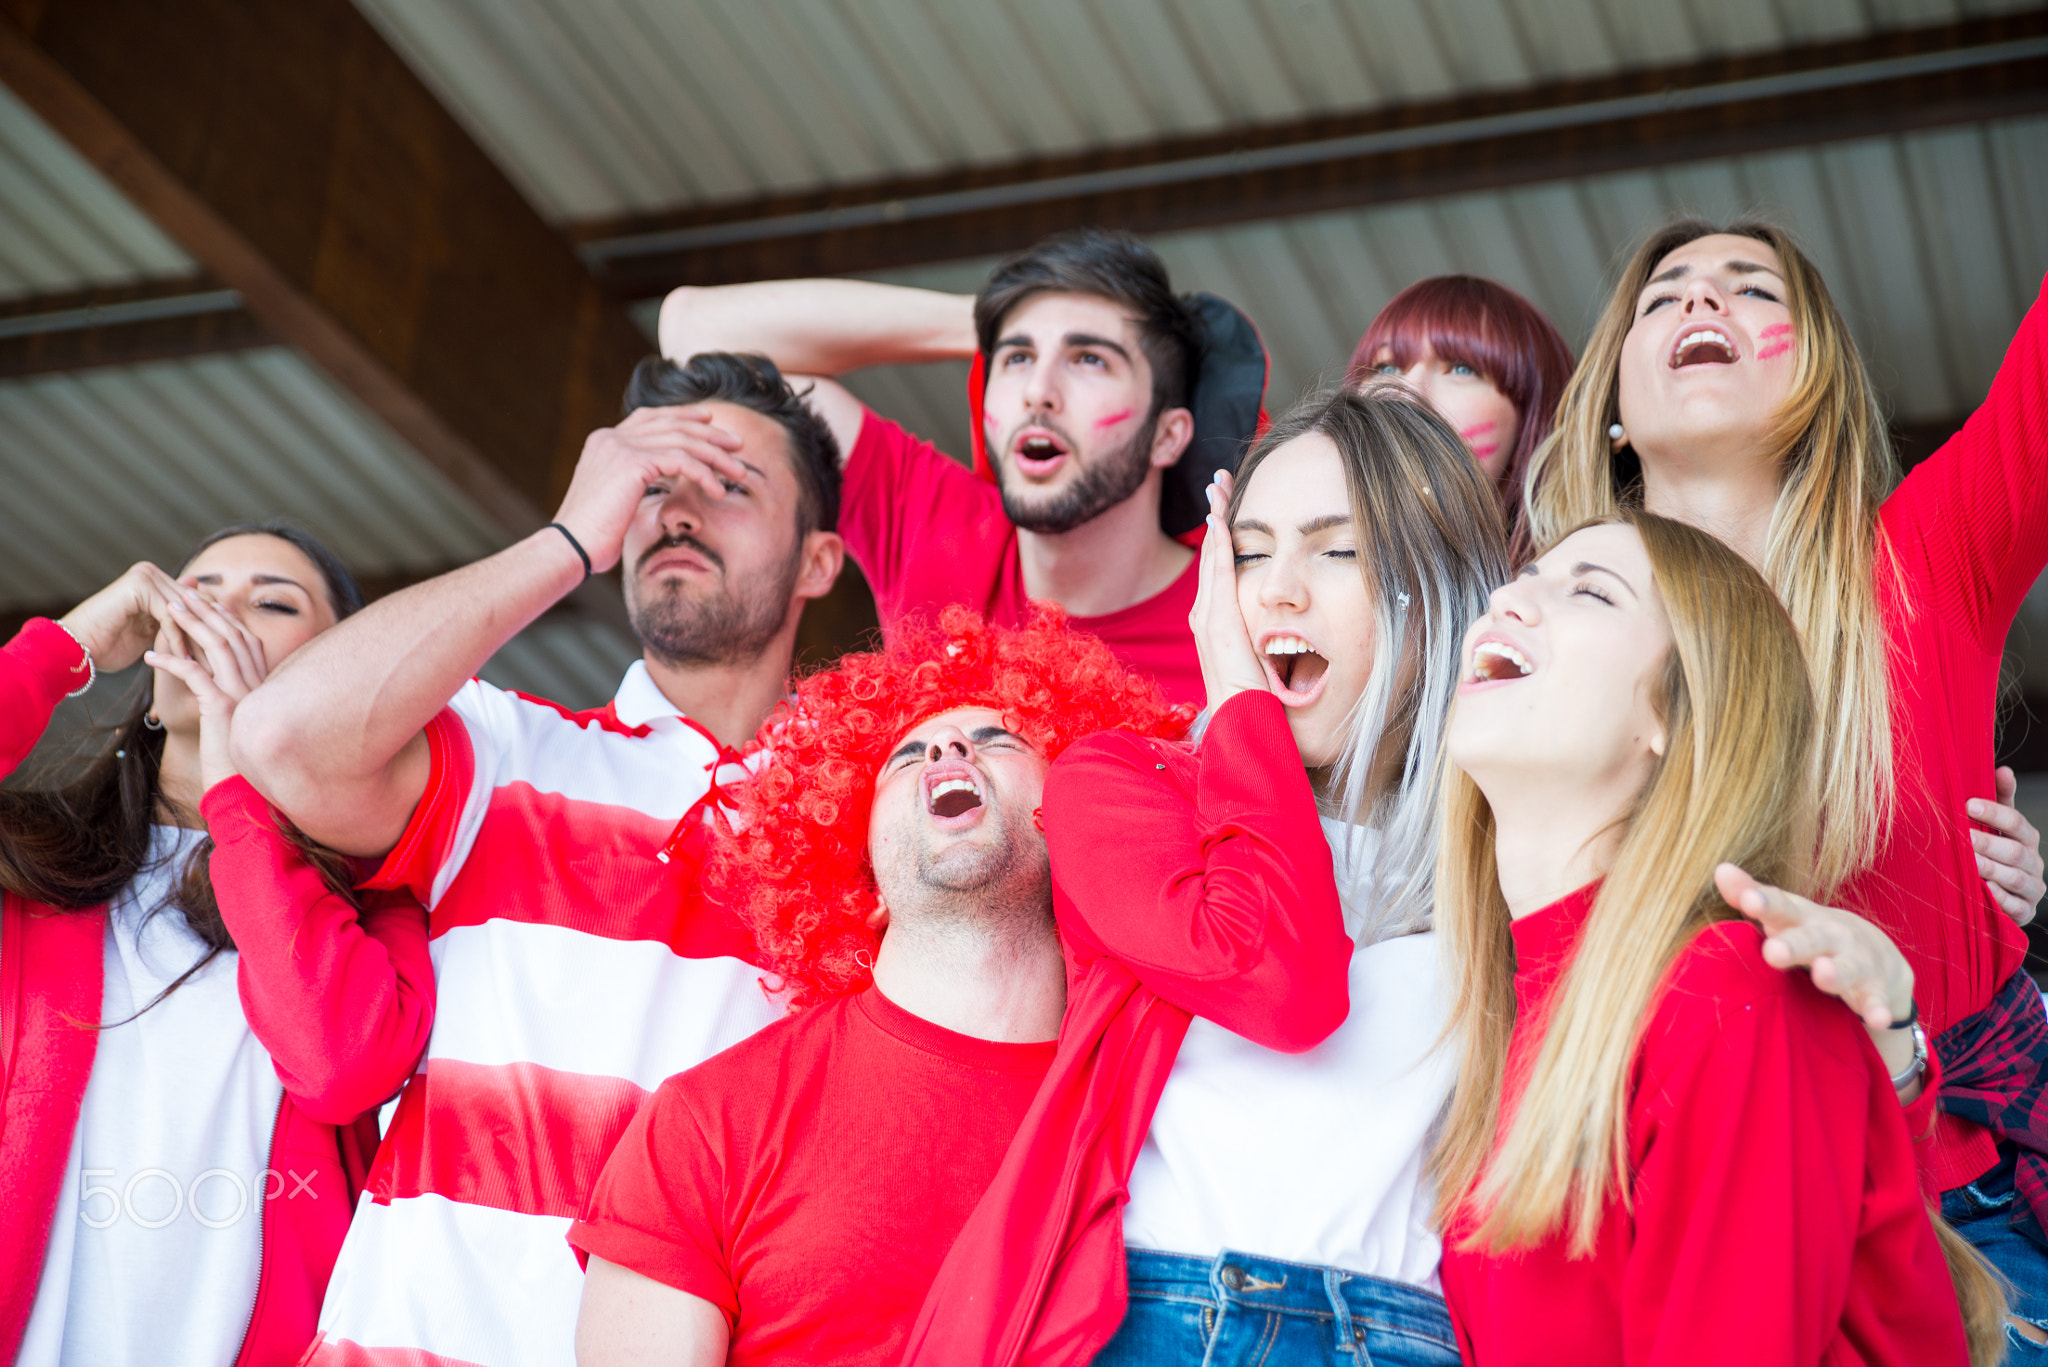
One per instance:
(158, 1238)
(1316, 1157)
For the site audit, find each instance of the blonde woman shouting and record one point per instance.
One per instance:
(1721, 388)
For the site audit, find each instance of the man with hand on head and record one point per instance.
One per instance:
(1103, 403)
(557, 852)
(791, 1199)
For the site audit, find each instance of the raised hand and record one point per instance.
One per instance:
(1229, 664)
(219, 660)
(2008, 862)
(655, 447)
(117, 624)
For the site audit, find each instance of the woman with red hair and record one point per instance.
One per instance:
(1485, 358)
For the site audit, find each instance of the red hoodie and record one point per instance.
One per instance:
(370, 971)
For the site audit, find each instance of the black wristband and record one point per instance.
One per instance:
(1912, 1018)
(581, 554)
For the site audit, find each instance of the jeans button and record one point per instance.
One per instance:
(1233, 1277)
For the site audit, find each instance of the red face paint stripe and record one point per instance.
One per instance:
(1113, 419)
(514, 1136)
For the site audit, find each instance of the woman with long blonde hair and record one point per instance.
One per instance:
(1659, 1149)
(1721, 388)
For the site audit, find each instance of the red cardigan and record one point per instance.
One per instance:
(1968, 530)
(1777, 1214)
(1186, 883)
(337, 1064)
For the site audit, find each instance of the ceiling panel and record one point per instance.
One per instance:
(599, 108)
(62, 225)
(106, 467)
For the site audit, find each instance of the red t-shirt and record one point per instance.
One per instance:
(809, 1180)
(1777, 1216)
(926, 531)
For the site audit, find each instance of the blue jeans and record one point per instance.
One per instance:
(1236, 1308)
(1981, 1213)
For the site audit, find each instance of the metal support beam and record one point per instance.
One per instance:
(124, 325)
(1981, 69)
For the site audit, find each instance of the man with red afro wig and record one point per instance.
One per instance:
(792, 1198)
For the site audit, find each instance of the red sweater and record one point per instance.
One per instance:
(1186, 883)
(1968, 529)
(1777, 1216)
(296, 938)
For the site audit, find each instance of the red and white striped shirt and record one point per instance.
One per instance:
(575, 970)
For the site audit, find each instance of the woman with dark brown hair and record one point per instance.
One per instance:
(183, 1140)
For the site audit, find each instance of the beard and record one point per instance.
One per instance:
(1105, 481)
(726, 626)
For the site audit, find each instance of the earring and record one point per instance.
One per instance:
(1614, 432)
(864, 959)
(150, 720)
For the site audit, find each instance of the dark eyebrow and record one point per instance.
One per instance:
(1325, 522)
(214, 577)
(909, 747)
(1588, 567)
(1090, 340)
(1677, 272)
(1250, 524)
(1014, 339)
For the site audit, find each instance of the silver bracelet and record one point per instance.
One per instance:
(91, 671)
(1915, 1065)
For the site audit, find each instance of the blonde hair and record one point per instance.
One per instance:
(1432, 548)
(1821, 551)
(1734, 784)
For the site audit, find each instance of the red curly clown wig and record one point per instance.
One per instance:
(794, 867)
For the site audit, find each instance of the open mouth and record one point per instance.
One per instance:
(951, 790)
(1703, 346)
(1294, 667)
(1039, 453)
(1494, 661)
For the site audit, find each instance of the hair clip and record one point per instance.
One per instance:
(1402, 599)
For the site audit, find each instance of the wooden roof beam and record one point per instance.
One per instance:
(290, 151)
(1894, 82)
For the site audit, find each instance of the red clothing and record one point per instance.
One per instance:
(1777, 1214)
(299, 937)
(1209, 893)
(1969, 531)
(808, 1180)
(926, 532)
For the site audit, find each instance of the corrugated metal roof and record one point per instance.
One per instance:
(604, 107)
(62, 225)
(1933, 244)
(105, 467)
